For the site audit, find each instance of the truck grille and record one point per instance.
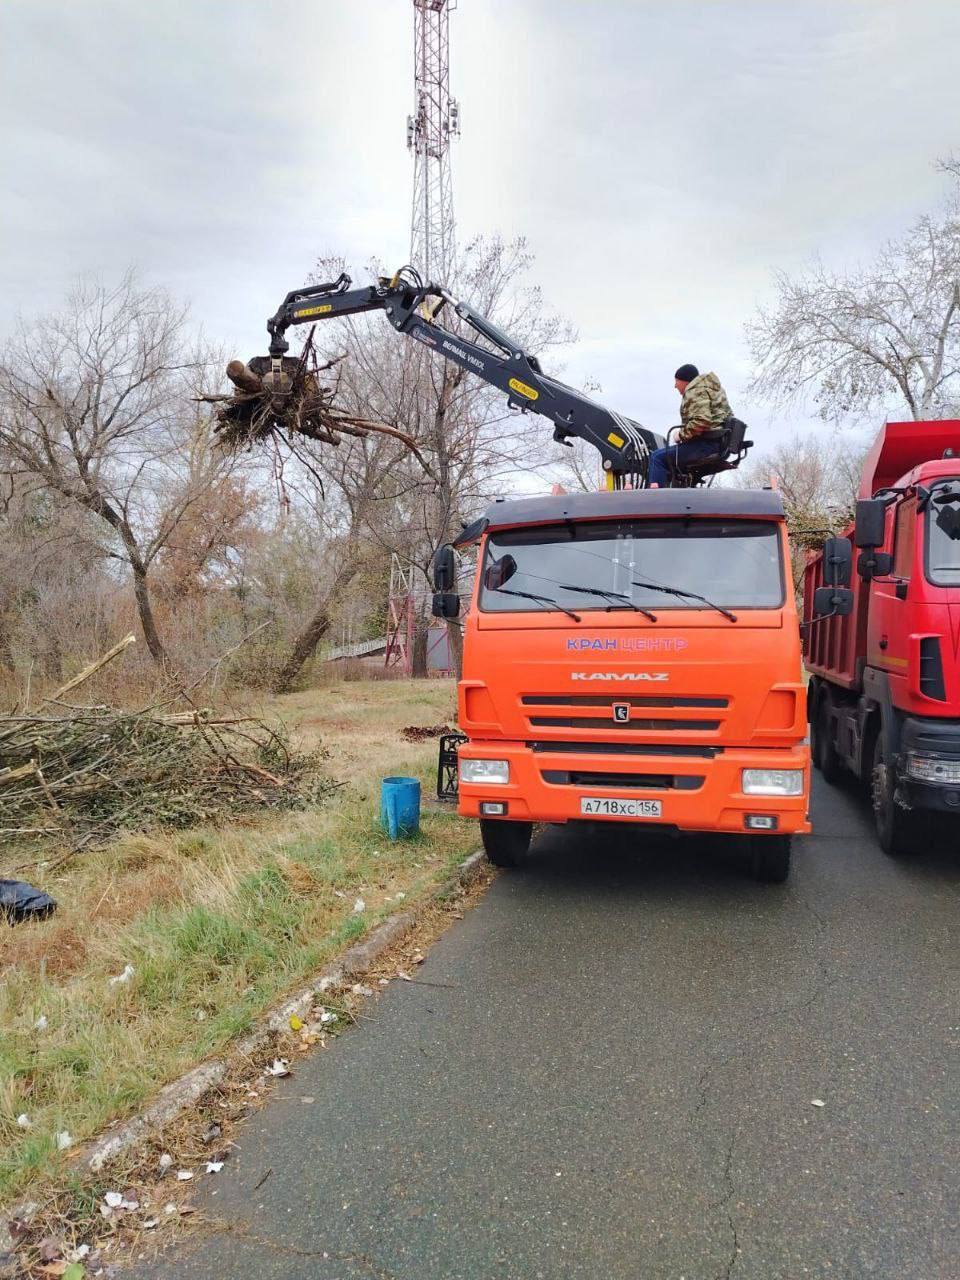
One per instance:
(625, 749)
(646, 781)
(607, 722)
(599, 700)
(564, 711)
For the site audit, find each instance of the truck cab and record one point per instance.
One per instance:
(634, 657)
(885, 679)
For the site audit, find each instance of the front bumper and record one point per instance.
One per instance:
(697, 792)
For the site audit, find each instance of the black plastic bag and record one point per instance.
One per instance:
(20, 901)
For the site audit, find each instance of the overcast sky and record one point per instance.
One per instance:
(662, 158)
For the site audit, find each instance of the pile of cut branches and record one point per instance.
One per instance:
(85, 773)
(82, 773)
(286, 398)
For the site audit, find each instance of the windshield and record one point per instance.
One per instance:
(943, 535)
(602, 564)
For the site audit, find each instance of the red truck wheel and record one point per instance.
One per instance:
(898, 829)
(824, 753)
(769, 858)
(505, 842)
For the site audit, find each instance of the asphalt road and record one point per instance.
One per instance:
(617, 1082)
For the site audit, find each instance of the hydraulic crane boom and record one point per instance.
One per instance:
(412, 308)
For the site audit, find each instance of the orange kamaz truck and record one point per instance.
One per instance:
(632, 657)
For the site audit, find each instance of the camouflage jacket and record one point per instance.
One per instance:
(704, 406)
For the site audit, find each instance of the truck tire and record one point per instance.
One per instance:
(504, 842)
(899, 830)
(769, 858)
(824, 753)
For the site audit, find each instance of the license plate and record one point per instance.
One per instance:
(608, 807)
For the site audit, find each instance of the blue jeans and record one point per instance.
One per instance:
(665, 462)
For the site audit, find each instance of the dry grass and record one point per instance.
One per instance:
(216, 922)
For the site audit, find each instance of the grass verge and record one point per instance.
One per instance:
(216, 923)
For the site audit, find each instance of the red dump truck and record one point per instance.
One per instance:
(884, 663)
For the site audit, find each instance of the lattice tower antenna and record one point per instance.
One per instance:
(436, 120)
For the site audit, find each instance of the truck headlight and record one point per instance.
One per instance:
(484, 770)
(932, 769)
(773, 782)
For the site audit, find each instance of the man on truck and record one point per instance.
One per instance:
(704, 408)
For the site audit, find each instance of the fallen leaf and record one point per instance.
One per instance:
(295, 1023)
(50, 1249)
(75, 1271)
(55, 1268)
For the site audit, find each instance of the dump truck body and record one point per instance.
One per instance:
(656, 680)
(885, 679)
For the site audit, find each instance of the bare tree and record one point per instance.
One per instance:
(877, 335)
(96, 406)
(469, 442)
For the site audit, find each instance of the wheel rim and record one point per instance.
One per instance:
(882, 799)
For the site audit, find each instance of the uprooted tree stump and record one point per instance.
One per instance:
(286, 398)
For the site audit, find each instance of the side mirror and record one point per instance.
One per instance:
(874, 564)
(832, 602)
(444, 569)
(446, 604)
(499, 572)
(837, 562)
(869, 526)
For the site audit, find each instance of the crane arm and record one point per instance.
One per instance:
(413, 309)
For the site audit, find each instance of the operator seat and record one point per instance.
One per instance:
(731, 450)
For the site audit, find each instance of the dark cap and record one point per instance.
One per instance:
(687, 373)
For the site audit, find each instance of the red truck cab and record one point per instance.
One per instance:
(884, 692)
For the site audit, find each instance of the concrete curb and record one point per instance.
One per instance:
(352, 964)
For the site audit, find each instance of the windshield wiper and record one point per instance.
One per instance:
(609, 595)
(686, 595)
(531, 595)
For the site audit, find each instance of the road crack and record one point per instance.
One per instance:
(243, 1232)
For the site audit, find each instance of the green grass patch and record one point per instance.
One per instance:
(217, 922)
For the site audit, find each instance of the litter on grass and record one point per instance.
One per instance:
(20, 902)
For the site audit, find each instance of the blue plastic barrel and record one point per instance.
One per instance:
(400, 807)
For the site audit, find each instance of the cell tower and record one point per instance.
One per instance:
(435, 121)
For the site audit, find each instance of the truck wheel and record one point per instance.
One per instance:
(825, 755)
(505, 843)
(898, 829)
(769, 858)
